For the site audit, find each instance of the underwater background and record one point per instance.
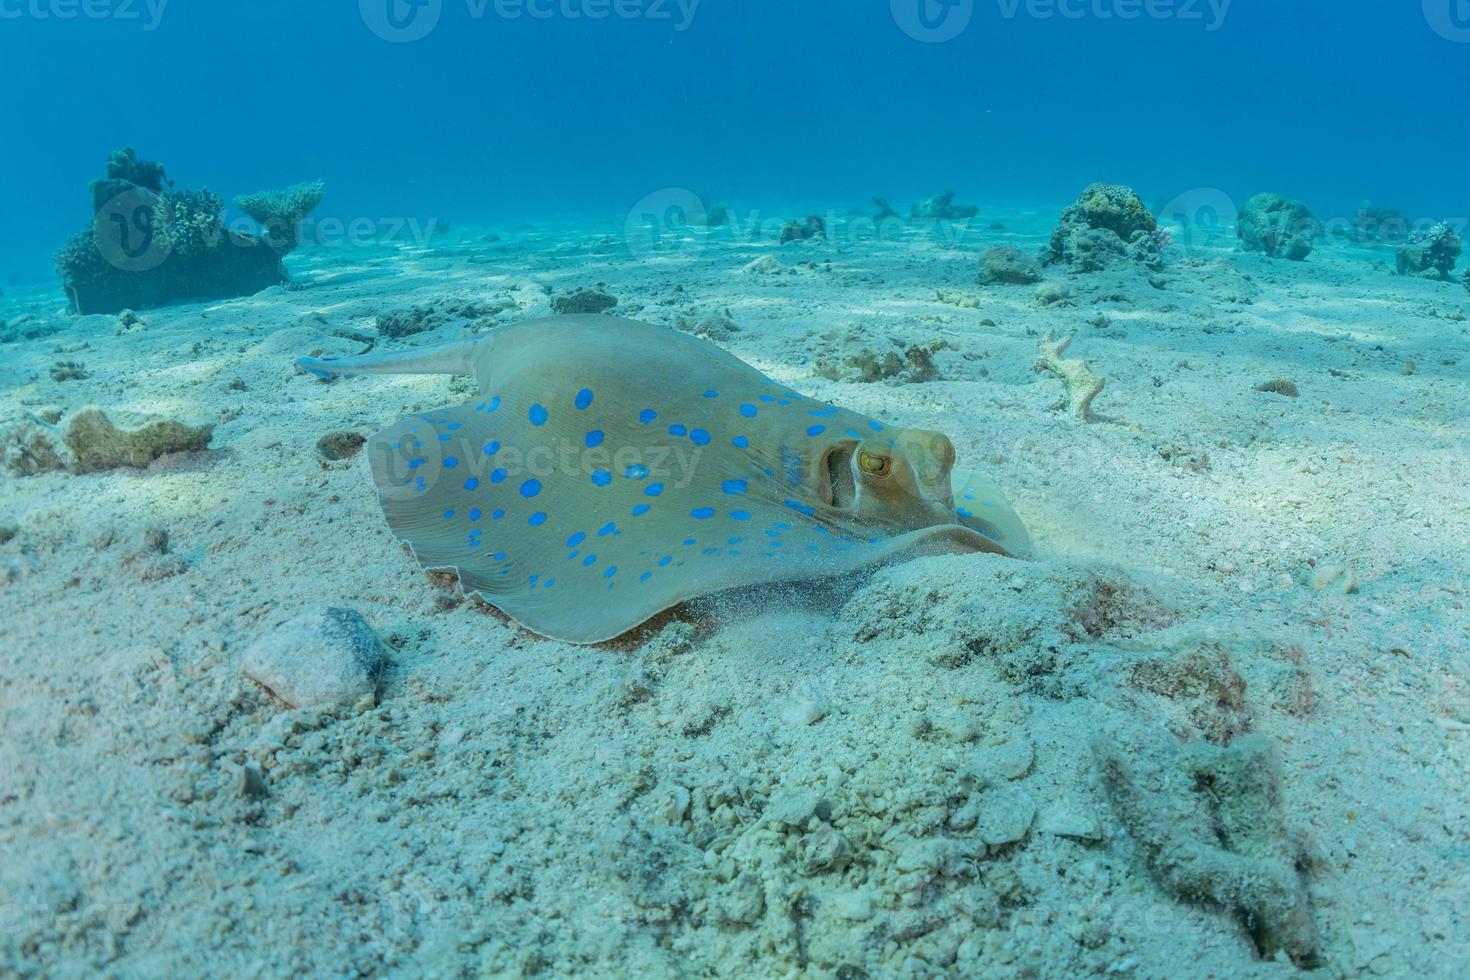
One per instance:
(506, 110)
(1102, 361)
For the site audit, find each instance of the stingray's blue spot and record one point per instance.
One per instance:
(783, 401)
(963, 512)
(415, 464)
(782, 525)
(773, 534)
(734, 486)
(601, 477)
(449, 515)
(640, 510)
(699, 437)
(678, 429)
(739, 515)
(491, 448)
(854, 433)
(712, 551)
(802, 508)
(533, 579)
(576, 539)
(454, 425)
(594, 438)
(688, 540)
(735, 540)
(445, 438)
(740, 442)
(876, 426)
(647, 415)
(987, 503)
(497, 514)
(499, 475)
(584, 398)
(665, 560)
(702, 513)
(610, 572)
(768, 398)
(712, 394)
(537, 519)
(645, 576)
(748, 410)
(549, 583)
(537, 414)
(654, 489)
(473, 483)
(530, 488)
(815, 430)
(418, 444)
(573, 553)
(606, 529)
(475, 514)
(450, 462)
(494, 404)
(636, 472)
(589, 560)
(498, 556)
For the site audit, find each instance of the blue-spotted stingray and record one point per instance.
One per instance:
(607, 470)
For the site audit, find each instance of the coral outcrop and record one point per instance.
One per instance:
(1108, 224)
(801, 231)
(941, 207)
(151, 244)
(1277, 226)
(1431, 254)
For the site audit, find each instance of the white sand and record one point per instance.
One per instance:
(796, 781)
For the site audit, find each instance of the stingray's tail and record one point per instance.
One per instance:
(456, 357)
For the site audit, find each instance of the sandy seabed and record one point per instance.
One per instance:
(1219, 727)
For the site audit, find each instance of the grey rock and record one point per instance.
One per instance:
(1010, 265)
(1277, 226)
(327, 657)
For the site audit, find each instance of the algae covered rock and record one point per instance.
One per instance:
(327, 657)
(97, 444)
(1109, 223)
(802, 231)
(1278, 226)
(1431, 255)
(585, 301)
(1010, 265)
(941, 207)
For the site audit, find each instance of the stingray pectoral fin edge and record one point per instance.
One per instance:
(606, 621)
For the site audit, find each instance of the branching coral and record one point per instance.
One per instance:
(1082, 385)
(188, 222)
(280, 214)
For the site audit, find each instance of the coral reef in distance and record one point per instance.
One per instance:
(151, 244)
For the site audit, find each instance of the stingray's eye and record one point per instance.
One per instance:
(871, 465)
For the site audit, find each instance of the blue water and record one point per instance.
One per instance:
(774, 103)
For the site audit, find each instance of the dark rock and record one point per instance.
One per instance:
(340, 445)
(801, 231)
(584, 301)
